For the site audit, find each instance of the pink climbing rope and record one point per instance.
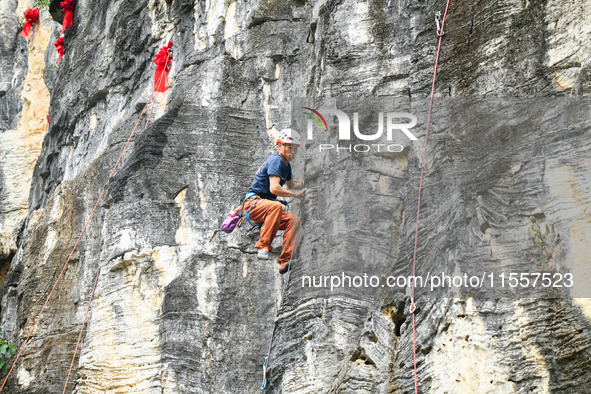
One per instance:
(414, 257)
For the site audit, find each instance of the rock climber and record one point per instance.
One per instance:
(261, 200)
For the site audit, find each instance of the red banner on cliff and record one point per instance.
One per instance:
(68, 9)
(31, 16)
(163, 60)
(59, 47)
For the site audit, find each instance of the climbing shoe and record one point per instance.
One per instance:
(283, 267)
(263, 254)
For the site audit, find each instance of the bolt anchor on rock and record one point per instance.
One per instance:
(438, 22)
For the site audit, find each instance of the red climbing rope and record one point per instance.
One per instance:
(414, 257)
(98, 273)
(81, 330)
(72, 253)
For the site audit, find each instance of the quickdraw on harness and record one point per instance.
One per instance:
(257, 226)
(413, 305)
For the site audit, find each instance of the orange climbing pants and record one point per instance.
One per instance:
(274, 218)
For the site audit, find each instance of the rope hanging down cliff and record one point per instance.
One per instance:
(295, 247)
(162, 69)
(160, 75)
(440, 34)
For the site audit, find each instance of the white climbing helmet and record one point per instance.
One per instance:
(288, 136)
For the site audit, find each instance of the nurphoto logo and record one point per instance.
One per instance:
(398, 124)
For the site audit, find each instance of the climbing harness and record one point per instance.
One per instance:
(413, 306)
(286, 281)
(255, 228)
(236, 216)
(70, 257)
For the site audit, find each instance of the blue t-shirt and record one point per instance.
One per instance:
(274, 165)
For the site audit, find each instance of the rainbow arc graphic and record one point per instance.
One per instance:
(317, 117)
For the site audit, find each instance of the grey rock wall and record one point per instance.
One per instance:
(180, 307)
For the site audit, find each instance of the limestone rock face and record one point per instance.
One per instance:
(24, 102)
(180, 307)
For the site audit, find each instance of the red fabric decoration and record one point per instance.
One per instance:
(59, 47)
(68, 9)
(163, 60)
(31, 15)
